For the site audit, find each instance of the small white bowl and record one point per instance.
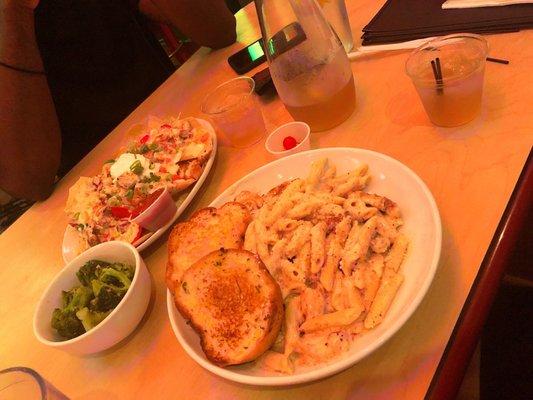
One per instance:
(118, 324)
(298, 130)
(158, 213)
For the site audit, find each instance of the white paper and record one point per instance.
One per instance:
(481, 3)
(411, 44)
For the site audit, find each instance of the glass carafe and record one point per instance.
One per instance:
(307, 62)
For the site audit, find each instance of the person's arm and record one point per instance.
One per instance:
(30, 139)
(206, 22)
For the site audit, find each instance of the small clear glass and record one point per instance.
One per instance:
(25, 383)
(455, 99)
(234, 110)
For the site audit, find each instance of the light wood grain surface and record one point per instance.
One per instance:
(470, 170)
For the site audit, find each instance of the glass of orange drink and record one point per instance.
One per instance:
(451, 88)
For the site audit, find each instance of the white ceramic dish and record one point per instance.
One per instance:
(72, 242)
(117, 325)
(422, 225)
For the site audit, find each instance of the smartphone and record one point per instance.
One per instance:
(248, 58)
(253, 55)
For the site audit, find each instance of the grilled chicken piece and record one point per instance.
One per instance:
(234, 305)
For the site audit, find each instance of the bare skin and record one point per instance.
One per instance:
(30, 136)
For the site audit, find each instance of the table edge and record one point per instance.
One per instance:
(463, 340)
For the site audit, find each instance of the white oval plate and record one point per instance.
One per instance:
(71, 240)
(422, 225)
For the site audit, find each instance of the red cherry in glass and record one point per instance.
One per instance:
(289, 142)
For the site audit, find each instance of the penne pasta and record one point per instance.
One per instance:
(377, 262)
(337, 319)
(351, 250)
(277, 253)
(337, 294)
(343, 229)
(317, 171)
(303, 259)
(385, 295)
(283, 203)
(293, 319)
(264, 234)
(329, 173)
(358, 276)
(353, 297)
(250, 238)
(371, 282)
(313, 302)
(335, 252)
(286, 225)
(358, 209)
(351, 184)
(395, 257)
(277, 362)
(300, 236)
(305, 208)
(318, 247)
(367, 230)
(262, 250)
(333, 256)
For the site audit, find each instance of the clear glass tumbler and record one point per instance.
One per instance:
(234, 110)
(25, 383)
(307, 62)
(453, 96)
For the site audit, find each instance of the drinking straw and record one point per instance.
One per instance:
(439, 71)
(436, 74)
(497, 60)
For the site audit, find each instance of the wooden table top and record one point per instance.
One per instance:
(470, 170)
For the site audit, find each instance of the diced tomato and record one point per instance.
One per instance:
(143, 205)
(175, 177)
(166, 126)
(144, 139)
(162, 169)
(120, 212)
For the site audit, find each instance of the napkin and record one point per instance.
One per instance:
(404, 20)
(481, 3)
(364, 50)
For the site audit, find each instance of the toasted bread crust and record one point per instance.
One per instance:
(233, 303)
(251, 200)
(207, 230)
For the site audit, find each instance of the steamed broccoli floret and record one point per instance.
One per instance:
(76, 298)
(118, 279)
(89, 271)
(84, 307)
(128, 270)
(67, 324)
(110, 288)
(107, 296)
(64, 319)
(90, 319)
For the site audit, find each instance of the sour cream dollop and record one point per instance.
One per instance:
(125, 161)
